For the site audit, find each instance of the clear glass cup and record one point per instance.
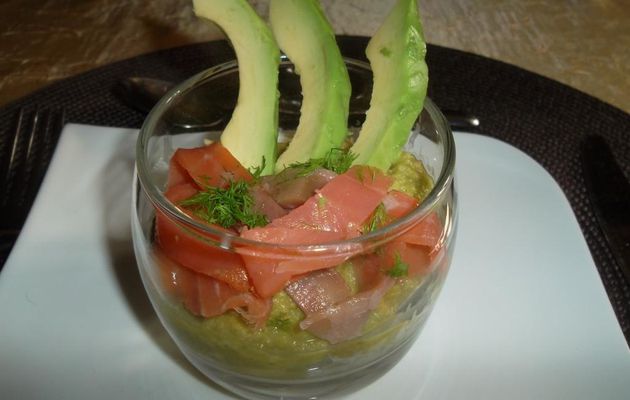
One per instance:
(268, 361)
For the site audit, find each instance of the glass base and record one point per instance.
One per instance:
(316, 388)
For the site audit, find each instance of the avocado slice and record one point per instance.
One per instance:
(251, 135)
(308, 40)
(396, 54)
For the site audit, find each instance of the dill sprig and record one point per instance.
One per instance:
(257, 171)
(226, 207)
(377, 219)
(399, 269)
(337, 160)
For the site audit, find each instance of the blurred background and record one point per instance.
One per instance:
(582, 43)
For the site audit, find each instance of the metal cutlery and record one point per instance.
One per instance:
(23, 162)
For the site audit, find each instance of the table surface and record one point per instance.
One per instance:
(583, 44)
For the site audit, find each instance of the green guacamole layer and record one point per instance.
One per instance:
(280, 347)
(410, 176)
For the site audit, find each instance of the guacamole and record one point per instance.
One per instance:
(410, 176)
(281, 349)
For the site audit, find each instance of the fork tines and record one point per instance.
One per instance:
(24, 160)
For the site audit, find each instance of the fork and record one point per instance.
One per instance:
(23, 162)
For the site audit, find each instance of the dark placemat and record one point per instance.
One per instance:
(544, 118)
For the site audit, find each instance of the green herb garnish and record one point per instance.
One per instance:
(226, 207)
(399, 269)
(336, 160)
(378, 219)
(257, 171)
(279, 323)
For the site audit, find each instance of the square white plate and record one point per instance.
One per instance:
(523, 313)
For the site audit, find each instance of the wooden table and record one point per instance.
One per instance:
(584, 44)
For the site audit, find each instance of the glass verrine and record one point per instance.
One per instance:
(281, 357)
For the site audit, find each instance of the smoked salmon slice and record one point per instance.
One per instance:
(211, 165)
(207, 297)
(336, 212)
(187, 246)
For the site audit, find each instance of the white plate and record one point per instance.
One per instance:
(523, 313)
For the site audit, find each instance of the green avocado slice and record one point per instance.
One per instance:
(252, 133)
(396, 54)
(308, 40)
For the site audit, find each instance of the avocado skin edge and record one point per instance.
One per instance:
(251, 135)
(308, 40)
(397, 57)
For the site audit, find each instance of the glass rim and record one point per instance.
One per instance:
(231, 240)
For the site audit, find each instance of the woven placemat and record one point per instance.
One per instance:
(543, 118)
